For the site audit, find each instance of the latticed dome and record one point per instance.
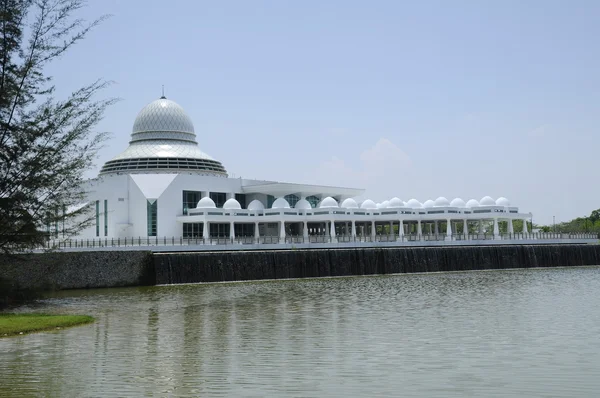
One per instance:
(164, 119)
(163, 140)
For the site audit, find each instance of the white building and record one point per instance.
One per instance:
(163, 185)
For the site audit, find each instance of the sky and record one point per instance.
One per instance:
(414, 99)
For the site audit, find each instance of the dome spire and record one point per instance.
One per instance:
(163, 92)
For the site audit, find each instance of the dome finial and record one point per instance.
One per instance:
(163, 92)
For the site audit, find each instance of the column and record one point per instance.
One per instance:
(206, 231)
(332, 231)
(510, 226)
(282, 231)
(232, 231)
(353, 229)
(437, 228)
(305, 231)
(419, 229)
(401, 230)
(448, 229)
(373, 230)
(465, 228)
(525, 227)
(256, 232)
(496, 229)
(391, 228)
(480, 226)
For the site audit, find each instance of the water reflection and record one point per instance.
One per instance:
(522, 333)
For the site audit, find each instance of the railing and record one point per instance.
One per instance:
(294, 239)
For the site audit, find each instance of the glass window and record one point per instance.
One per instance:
(193, 230)
(152, 213)
(270, 200)
(241, 198)
(97, 218)
(292, 200)
(190, 200)
(105, 217)
(219, 198)
(313, 200)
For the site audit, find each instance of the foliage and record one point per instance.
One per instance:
(45, 144)
(11, 324)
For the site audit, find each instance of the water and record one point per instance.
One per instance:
(533, 333)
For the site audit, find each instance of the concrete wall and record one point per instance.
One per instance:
(174, 268)
(76, 270)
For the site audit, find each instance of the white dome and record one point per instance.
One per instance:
(164, 133)
(206, 203)
(472, 203)
(487, 201)
(502, 201)
(457, 202)
(349, 204)
(385, 204)
(396, 202)
(165, 117)
(280, 203)
(414, 204)
(428, 203)
(442, 202)
(368, 204)
(303, 204)
(328, 202)
(232, 204)
(378, 205)
(256, 205)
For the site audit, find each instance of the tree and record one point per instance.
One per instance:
(46, 144)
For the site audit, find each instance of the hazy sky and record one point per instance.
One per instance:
(410, 99)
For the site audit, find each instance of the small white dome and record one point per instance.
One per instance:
(349, 204)
(232, 204)
(328, 202)
(396, 202)
(414, 204)
(385, 204)
(256, 205)
(472, 203)
(303, 204)
(502, 201)
(428, 203)
(457, 202)
(368, 204)
(378, 205)
(487, 201)
(280, 203)
(206, 203)
(442, 202)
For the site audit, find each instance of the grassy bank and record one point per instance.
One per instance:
(13, 324)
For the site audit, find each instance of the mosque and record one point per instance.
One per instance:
(164, 185)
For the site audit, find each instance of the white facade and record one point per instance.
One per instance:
(163, 185)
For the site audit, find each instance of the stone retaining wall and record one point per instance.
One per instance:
(78, 270)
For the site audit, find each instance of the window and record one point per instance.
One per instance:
(97, 218)
(219, 198)
(270, 200)
(313, 200)
(190, 200)
(193, 230)
(105, 217)
(152, 213)
(292, 199)
(241, 198)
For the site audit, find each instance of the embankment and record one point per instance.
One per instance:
(193, 267)
(77, 270)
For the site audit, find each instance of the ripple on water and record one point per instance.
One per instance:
(521, 333)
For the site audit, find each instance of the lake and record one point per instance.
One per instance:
(533, 333)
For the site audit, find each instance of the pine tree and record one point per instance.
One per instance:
(46, 144)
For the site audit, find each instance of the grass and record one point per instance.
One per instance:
(15, 324)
